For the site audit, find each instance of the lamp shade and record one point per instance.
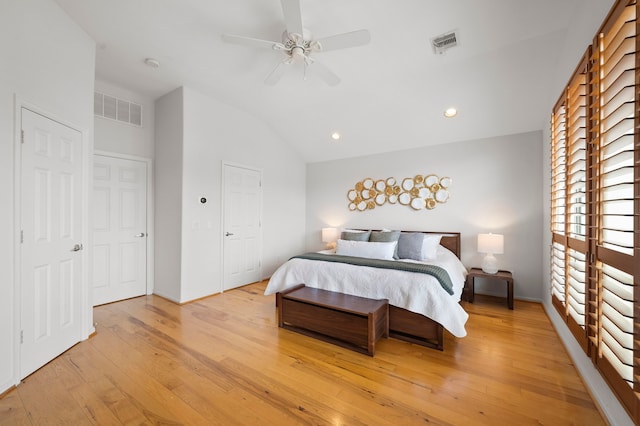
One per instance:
(491, 243)
(329, 235)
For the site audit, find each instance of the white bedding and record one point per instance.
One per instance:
(415, 292)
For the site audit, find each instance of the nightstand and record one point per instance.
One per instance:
(500, 275)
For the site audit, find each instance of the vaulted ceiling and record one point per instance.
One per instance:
(393, 91)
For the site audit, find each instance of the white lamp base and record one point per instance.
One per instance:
(490, 264)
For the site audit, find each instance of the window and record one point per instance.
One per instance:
(569, 202)
(595, 204)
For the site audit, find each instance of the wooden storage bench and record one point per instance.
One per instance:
(353, 322)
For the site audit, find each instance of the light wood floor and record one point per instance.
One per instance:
(223, 360)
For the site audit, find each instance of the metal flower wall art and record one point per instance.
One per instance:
(419, 192)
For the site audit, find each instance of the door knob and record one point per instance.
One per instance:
(227, 234)
(77, 247)
(140, 235)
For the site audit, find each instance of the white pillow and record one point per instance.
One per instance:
(430, 245)
(370, 250)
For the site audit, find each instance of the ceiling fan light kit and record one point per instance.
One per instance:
(298, 45)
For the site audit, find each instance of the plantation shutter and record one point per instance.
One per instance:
(577, 201)
(613, 321)
(558, 204)
(595, 204)
(569, 203)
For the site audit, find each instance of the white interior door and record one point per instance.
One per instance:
(51, 224)
(119, 206)
(242, 236)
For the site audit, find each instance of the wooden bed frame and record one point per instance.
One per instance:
(416, 328)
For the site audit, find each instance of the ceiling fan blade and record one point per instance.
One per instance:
(292, 16)
(324, 73)
(276, 74)
(253, 42)
(344, 40)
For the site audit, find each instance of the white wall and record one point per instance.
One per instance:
(48, 62)
(123, 138)
(214, 133)
(588, 17)
(496, 188)
(168, 195)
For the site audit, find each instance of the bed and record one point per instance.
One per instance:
(419, 307)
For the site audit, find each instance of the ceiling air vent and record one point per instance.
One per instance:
(444, 42)
(117, 109)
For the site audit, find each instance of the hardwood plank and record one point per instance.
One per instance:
(94, 406)
(13, 410)
(43, 395)
(223, 360)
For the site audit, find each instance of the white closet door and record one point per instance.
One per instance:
(242, 226)
(119, 206)
(51, 223)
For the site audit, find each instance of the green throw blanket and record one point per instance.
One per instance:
(439, 273)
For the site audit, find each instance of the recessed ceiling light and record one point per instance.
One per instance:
(450, 112)
(153, 63)
(335, 136)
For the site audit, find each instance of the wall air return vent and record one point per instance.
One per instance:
(110, 107)
(444, 42)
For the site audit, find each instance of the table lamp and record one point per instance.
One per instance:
(490, 244)
(330, 236)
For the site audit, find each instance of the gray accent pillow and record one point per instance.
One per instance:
(386, 237)
(355, 235)
(410, 245)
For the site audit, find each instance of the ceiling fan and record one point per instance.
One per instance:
(298, 45)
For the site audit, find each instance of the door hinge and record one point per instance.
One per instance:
(21, 336)
(21, 236)
(21, 136)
